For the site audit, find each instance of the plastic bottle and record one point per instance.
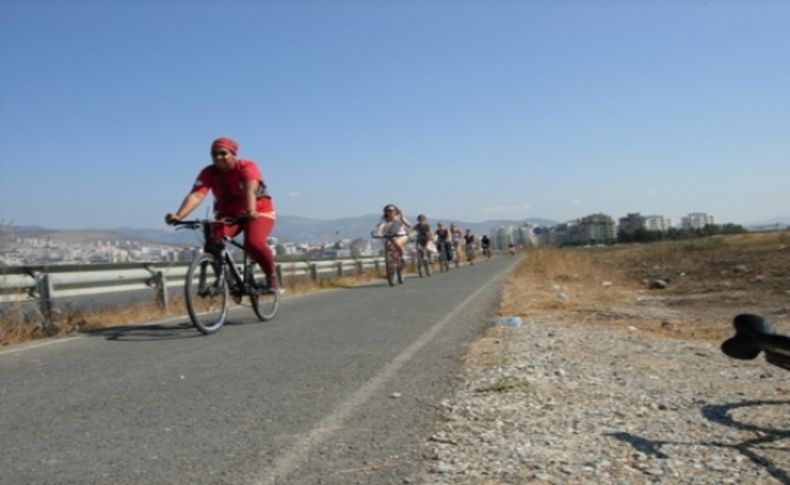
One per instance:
(511, 321)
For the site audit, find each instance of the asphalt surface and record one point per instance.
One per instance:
(341, 387)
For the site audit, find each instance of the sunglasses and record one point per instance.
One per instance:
(221, 153)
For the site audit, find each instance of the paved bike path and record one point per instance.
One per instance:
(341, 387)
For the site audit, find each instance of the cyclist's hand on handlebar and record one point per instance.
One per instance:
(172, 219)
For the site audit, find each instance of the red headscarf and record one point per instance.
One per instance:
(225, 143)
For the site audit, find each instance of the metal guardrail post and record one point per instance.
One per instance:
(44, 292)
(360, 267)
(340, 269)
(279, 270)
(314, 271)
(158, 282)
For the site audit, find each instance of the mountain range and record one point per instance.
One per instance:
(288, 228)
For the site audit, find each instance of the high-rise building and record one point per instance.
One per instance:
(502, 237)
(632, 222)
(595, 228)
(696, 220)
(658, 223)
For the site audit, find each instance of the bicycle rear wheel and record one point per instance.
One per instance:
(206, 293)
(264, 302)
(390, 264)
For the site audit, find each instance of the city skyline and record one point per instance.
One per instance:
(464, 110)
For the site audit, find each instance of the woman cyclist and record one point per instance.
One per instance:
(444, 242)
(456, 236)
(425, 236)
(469, 241)
(238, 191)
(394, 223)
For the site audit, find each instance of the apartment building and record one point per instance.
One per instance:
(696, 220)
(595, 228)
(658, 223)
(632, 222)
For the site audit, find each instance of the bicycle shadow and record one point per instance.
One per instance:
(145, 333)
(158, 331)
(720, 414)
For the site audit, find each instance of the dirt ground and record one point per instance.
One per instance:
(707, 282)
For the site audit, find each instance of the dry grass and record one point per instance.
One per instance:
(18, 326)
(710, 281)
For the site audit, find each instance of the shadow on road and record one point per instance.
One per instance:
(138, 333)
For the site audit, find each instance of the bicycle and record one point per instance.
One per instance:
(470, 254)
(754, 334)
(487, 252)
(214, 277)
(423, 260)
(392, 258)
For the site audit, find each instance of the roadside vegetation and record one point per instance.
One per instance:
(688, 289)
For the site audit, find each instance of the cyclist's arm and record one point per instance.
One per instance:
(251, 198)
(187, 206)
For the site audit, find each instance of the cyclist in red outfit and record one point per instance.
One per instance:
(238, 191)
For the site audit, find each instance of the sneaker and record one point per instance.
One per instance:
(274, 286)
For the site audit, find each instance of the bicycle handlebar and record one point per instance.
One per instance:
(195, 223)
(387, 236)
(754, 334)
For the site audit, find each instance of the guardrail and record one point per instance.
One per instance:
(43, 284)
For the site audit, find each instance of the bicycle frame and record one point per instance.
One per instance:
(392, 257)
(207, 302)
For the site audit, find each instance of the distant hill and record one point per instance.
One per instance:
(782, 221)
(61, 235)
(288, 228)
(304, 229)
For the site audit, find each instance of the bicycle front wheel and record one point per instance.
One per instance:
(264, 302)
(206, 293)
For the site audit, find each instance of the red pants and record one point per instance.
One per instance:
(256, 231)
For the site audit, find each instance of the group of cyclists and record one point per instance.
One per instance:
(240, 196)
(445, 242)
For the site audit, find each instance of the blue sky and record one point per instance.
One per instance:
(470, 110)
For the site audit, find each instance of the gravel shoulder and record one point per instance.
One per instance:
(561, 402)
(609, 382)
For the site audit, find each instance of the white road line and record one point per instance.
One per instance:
(334, 421)
(37, 345)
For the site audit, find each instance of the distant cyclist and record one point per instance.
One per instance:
(469, 243)
(394, 223)
(456, 236)
(424, 235)
(485, 243)
(444, 241)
